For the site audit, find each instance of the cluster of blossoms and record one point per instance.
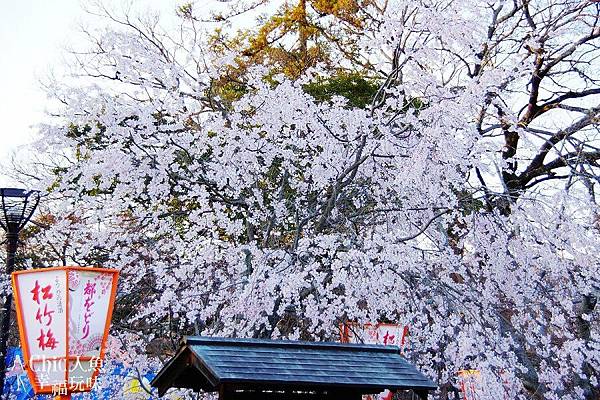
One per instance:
(459, 202)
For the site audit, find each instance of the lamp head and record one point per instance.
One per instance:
(16, 208)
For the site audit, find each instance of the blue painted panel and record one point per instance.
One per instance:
(116, 380)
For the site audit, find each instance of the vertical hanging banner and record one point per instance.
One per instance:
(470, 383)
(64, 316)
(89, 303)
(41, 301)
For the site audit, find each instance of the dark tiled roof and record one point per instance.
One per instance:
(279, 363)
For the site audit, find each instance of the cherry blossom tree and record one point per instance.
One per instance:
(460, 200)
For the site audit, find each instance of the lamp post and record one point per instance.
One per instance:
(18, 205)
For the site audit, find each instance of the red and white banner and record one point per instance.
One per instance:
(63, 315)
(382, 334)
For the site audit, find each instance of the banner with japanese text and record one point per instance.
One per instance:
(44, 320)
(64, 318)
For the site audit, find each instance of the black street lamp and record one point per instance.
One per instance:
(17, 207)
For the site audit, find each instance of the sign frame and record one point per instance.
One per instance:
(348, 331)
(67, 358)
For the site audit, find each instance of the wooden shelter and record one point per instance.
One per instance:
(244, 369)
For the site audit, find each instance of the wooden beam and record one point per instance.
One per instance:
(344, 395)
(226, 393)
(178, 365)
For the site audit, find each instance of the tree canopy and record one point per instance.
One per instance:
(428, 163)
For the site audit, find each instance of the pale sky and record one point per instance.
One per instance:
(33, 34)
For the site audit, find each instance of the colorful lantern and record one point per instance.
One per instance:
(64, 316)
(470, 383)
(381, 334)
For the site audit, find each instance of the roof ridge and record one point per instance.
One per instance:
(208, 340)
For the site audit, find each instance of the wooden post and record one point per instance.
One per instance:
(224, 394)
(345, 395)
